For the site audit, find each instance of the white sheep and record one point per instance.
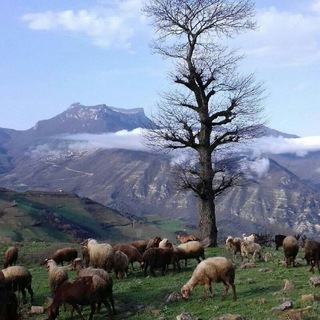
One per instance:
(101, 255)
(248, 238)
(189, 250)
(18, 278)
(165, 243)
(216, 269)
(57, 275)
(121, 264)
(229, 242)
(250, 247)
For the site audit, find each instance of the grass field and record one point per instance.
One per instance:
(259, 289)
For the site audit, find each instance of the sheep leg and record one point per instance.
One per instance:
(75, 306)
(29, 288)
(93, 309)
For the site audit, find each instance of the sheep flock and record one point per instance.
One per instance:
(94, 269)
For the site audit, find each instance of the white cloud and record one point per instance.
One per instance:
(284, 37)
(114, 25)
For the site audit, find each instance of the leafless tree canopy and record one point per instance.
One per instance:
(211, 105)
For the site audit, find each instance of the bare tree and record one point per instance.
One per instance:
(211, 106)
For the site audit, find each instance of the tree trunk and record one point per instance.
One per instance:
(207, 227)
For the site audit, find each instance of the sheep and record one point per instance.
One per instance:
(158, 258)
(80, 291)
(121, 263)
(101, 255)
(64, 254)
(290, 249)
(18, 278)
(165, 243)
(77, 265)
(216, 269)
(141, 245)
(278, 239)
(248, 238)
(190, 250)
(236, 247)
(57, 275)
(132, 252)
(184, 239)
(10, 256)
(153, 243)
(312, 254)
(250, 247)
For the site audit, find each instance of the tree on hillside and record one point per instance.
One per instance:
(211, 105)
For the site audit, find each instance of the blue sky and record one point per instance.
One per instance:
(54, 53)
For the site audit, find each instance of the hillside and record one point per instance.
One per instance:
(64, 217)
(76, 152)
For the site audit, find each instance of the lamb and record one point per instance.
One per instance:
(77, 265)
(312, 254)
(80, 291)
(101, 255)
(290, 249)
(184, 239)
(132, 252)
(216, 269)
(157, 258)
(250, 247)
(229, 243)
(236, 247)
(64, 254)
(18, 278)
(190, 250)
(57, 275)
(10, 256)
(121, 263)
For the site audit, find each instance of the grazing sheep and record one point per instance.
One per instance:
(121, 264)
(101, 255)
(216, 269)
(185, 239)
(190, 250)
(18, 278)
(10, 256)
(141, 245)
(153, 243)
(249, 247)
(9, 302)
(312, 254)
(248, 238)
(236, 247)
(64, 254)
(77, 265)
(290, 249)
(132, 252)
(158, 258)
(80, 291)
(57, 275)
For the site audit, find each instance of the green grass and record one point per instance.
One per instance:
(141, 298)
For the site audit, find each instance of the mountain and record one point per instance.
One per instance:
(52, 156)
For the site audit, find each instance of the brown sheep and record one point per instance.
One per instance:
(184, 239)
(290, 249)
(10, 256)
(312, 254)
(77, 265)
(18, 278)
(216, 269)
(132, 252)
(64, 255)
(153, 243)
(157, 258)
(189, 250)
(80, 291)
(121, 264)
(141, 245)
